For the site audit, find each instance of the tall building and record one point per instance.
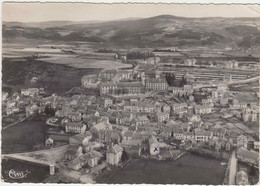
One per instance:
(156, 84)
(120, 88)
(108, 88)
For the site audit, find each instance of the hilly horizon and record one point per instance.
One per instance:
(157, 31)
(126, 19)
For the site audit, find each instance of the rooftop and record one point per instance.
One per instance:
(108, 84)
(249, 154)
(203, 133)
(156, 80)
(116, 149)
(129, 84)
(74, 124)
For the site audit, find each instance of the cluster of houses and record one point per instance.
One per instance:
(29, 101)
(142, 114)
(187, 90)
(137, 81)
(132, 116)
(144, 121)
(245, 111)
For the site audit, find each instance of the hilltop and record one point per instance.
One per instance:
(163, 30)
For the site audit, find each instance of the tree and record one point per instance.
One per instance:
(124, 156)
(252, 171)
(139, 55)
(47, 109)
(52, 111)
(170, 78)
(183, 81)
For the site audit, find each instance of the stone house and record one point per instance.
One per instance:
(114, 155)
(72, 152)
(162, 117)
(247, 156)
(49, 142)
(75, 127)
(80, 139)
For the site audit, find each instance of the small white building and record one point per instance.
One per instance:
(242, 178)
(166, 108)
(75, 127)
(114, 155)
(203, 136)
(154, 146)
(49, 142)
(199, 109)
(256, 145)
(222, 86)
(4, 95)
(108, 102)
(163, 116)
(10, 104)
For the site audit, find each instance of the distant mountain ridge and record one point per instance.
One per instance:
(162, 30)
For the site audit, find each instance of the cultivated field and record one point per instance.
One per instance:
(73, 54)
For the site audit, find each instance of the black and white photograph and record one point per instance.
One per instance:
(130, 93)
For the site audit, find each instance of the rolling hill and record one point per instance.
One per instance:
(164, 30)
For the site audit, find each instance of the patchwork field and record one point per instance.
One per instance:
(80, 62)
(74, 54)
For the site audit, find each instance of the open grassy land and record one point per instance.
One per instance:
(55, 78)
(23, 137)
(86, 62)
(189, 169)
(36, 173)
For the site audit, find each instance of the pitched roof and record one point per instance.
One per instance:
(129, 84)
(108, 84)
(189, 75)
(162, 113)
(153, 139)
(137, 135)
(156, 80)
(81, 137)
(116, 149)
(74, 124)
(171, 123)
(249, 154)
(203, 132)
(72, 149)
(140, 118)
(90, 155)
(88, 133)
(102, 126)
(133, 142)
(128, 134)
(115, 134)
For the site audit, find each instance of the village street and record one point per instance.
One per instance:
(232, 169)
(14, 123)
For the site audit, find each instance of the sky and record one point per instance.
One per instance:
(38, 12)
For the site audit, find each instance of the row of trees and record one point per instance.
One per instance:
(171, 80)
(139, 55)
